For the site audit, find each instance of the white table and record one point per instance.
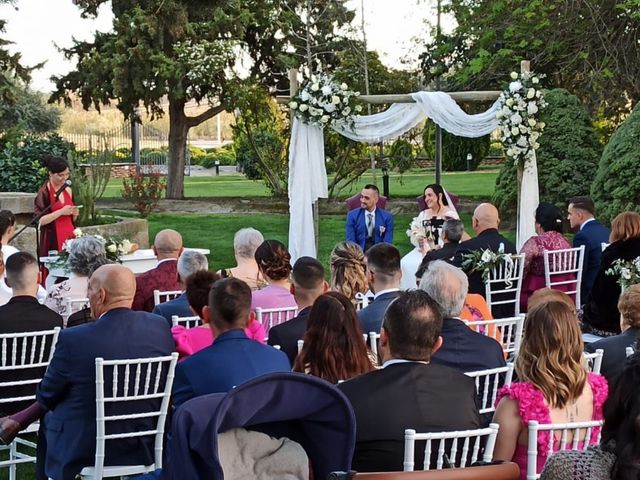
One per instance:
(139, 261)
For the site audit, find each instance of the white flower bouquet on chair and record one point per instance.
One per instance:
(627, 271)
(486, 261)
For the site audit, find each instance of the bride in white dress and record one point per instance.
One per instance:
(423, 234)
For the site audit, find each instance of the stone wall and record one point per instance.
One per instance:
(118, 170)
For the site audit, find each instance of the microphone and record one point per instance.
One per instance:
(67, 183)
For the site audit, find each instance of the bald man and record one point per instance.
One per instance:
(167, 246)
(485, 223)
(68, 430)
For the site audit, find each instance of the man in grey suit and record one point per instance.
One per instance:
(383, 274)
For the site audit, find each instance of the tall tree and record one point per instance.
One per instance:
(182, 50)
(589, 47)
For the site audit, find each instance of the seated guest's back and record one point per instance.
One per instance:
(615, 347)
(189, 263)
(383, 274)
(245, 243)
(616, 457)
(462, 348)
(307, 284)
(347, 267)
(191, 340)
(333, 346)
(23, 313)
(274, 262)
(554, 386)
(233, 358)
(408, 391)
(167, 246)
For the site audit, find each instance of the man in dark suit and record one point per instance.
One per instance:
(233, 358)
(485, 223)
(383, 274)
(167, 246)
(369, 225)
(67, 391)
(452, 231)
(590, 233)
(189, 263)
(23, 313)
(307, 284)
(408, 391)
(613, 360)
(462, 348)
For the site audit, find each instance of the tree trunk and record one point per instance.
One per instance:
(178, 129)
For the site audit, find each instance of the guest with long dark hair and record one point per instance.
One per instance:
(333, 345)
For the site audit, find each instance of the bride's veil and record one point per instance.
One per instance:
(450, 203)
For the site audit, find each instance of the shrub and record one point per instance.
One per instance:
(271, 148)
(455, 149)
(224, 156)
(567, 158)
(401, 155)
(143, 191)
(616, 187)
(21, 169)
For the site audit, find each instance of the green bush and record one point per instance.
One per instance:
(269, 144)
(455, 149)
(616, 187)
(223, 155)
(401, 156)
(567, 158)
(21, 167)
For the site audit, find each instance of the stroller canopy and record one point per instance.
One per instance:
(303, 408)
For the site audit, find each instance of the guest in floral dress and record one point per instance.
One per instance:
(554, 386)
(549, 237)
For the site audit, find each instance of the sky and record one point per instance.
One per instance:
(37, 26)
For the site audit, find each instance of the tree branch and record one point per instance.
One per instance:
(204, 116)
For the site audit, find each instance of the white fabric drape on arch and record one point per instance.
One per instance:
(307, 173)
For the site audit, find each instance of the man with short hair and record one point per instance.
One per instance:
(189, 263)
(408, 391)
(307, 284)
(233, 358)
(452, 231)
(369, 225)
(590, 233)
(383, 275)
(68, 389)
(167, 247)
(462, 348)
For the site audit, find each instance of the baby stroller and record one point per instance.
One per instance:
(305, 409)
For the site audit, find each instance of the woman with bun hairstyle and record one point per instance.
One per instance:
(549, 237)
(56, 225)
(274, 263)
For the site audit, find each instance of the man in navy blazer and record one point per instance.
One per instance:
(68, 390)
(462, 348)
(590, 233)
(189, 263)
(369, 225)
(233, 358)
(383, 274)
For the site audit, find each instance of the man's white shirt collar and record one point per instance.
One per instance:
(166, 260)
(401, 360)
(382, 292)
(586, 221)
(373, 212)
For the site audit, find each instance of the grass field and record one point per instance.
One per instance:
(477, 185)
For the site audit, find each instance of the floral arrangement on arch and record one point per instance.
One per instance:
(627, 271)
(323, 101)
(487, 261)
(520, 125)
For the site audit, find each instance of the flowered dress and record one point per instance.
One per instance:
(532, 406)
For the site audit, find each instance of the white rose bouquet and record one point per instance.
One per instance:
(322, 101)
(486, 261)
(114, 248)
(627, 271)
(520, 126)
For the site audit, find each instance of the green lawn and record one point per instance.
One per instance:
(478, 185)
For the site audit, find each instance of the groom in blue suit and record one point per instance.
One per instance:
(368, 224)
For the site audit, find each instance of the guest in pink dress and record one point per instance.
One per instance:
(274, 262)
(554, 387)
(190, 340)
(549, 237)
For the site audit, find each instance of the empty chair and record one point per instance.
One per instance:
(504, 284)
(544, 439)
(186, 322)
(563, 271)
(459, 449)
(160, 296)
(487, 384)
(594, 360)
(119, 404)
(75, 305)
(510, 332)
(270, 317)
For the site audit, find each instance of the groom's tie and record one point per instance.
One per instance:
(369, 224)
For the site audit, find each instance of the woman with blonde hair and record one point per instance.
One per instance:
(601, 315)
(554, 385)
(348, 270)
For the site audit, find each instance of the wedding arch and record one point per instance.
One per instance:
(308, 175)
